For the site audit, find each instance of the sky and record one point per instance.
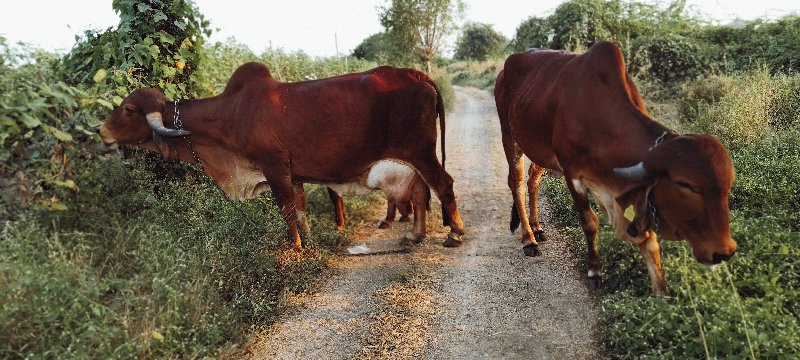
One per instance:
(313, 26)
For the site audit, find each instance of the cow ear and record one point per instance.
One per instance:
(635, 209)
(165, 148)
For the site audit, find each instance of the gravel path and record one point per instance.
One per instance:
(482, 300)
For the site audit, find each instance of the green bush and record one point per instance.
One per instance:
(479, 42)
(481, 75)
(744, 108)
(142, 268)
(667, 57)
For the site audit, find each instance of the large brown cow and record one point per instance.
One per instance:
(582, 115)
(260, 133)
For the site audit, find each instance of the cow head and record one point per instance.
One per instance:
(686, 180)
(139, 121)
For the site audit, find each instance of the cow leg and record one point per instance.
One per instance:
(419, 200)
(590, 224)
(339, 213)
(406, 209)
(442, 183)
(302, 213)
(534, 180)
(516, 179)
(391, 212)
(651, 253)
(283, 191)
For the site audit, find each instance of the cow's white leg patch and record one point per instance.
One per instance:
(593, 273)
(577, 184)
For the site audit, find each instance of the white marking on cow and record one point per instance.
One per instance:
(593, 273)
(392, 177)
(578, 185)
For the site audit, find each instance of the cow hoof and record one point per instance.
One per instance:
(414, 239)
(453, 240)
(340, 228)
(531, 250)
(384, 225)
(404, 219)
(593, 282)
(539, 236)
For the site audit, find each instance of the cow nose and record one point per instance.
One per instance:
(717, 258)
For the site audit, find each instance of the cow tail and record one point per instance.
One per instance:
(440, 112)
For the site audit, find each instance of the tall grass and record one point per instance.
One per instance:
(749, 307)
(138, 267)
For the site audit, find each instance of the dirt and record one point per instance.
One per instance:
(482, 300)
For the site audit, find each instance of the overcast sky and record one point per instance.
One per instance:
(309, 25)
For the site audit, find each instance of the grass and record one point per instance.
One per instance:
(481, 75)
(137, 267)
(748, 307)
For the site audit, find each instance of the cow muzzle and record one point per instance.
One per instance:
(717, 258)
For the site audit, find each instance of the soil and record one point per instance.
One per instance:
(483, 300)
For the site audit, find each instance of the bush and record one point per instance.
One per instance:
(481, 75)
(745, 108)
(479, 42)
(667, 57)
(142, 268)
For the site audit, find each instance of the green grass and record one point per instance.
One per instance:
(156, 268)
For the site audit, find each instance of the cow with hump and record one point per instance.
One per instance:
(583, 116)
(261, 134)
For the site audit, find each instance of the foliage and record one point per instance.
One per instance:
(113, 276)
(481, 75)
(417, 28)
(157, 44)
(775, 44)
(667, 57)
(223, 58)
(578, 24)
(375, 48)
(745, 108)
(532, 33)
(479, 42)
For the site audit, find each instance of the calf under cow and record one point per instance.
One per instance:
(583, 116)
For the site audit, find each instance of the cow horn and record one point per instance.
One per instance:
(633, 173)
(157, 124)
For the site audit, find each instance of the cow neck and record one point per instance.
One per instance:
(184, 114)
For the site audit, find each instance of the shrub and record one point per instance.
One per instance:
(666, 57)
(478, 42)
(534, 32)
(754, 106)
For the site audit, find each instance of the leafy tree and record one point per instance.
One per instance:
(578, 24)
(478, 42)
(417, 28)
(374, 48)
(667, 57)
(157, 43)
(532, 33)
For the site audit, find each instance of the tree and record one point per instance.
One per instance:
(478, 42)
(534, 32)
(157, 43)
(376, 47)
(581, 23)
(417, 28)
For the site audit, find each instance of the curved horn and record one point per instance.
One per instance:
(633, 173)
(157, 124)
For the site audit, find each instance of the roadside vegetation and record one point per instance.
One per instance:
(123, 255)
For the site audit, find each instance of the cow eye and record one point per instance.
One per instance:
(129, 110)
(686, 186)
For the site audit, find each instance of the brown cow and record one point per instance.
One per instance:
(583, 116)
(260, 133)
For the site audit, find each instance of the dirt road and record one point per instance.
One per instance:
(482, 300)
